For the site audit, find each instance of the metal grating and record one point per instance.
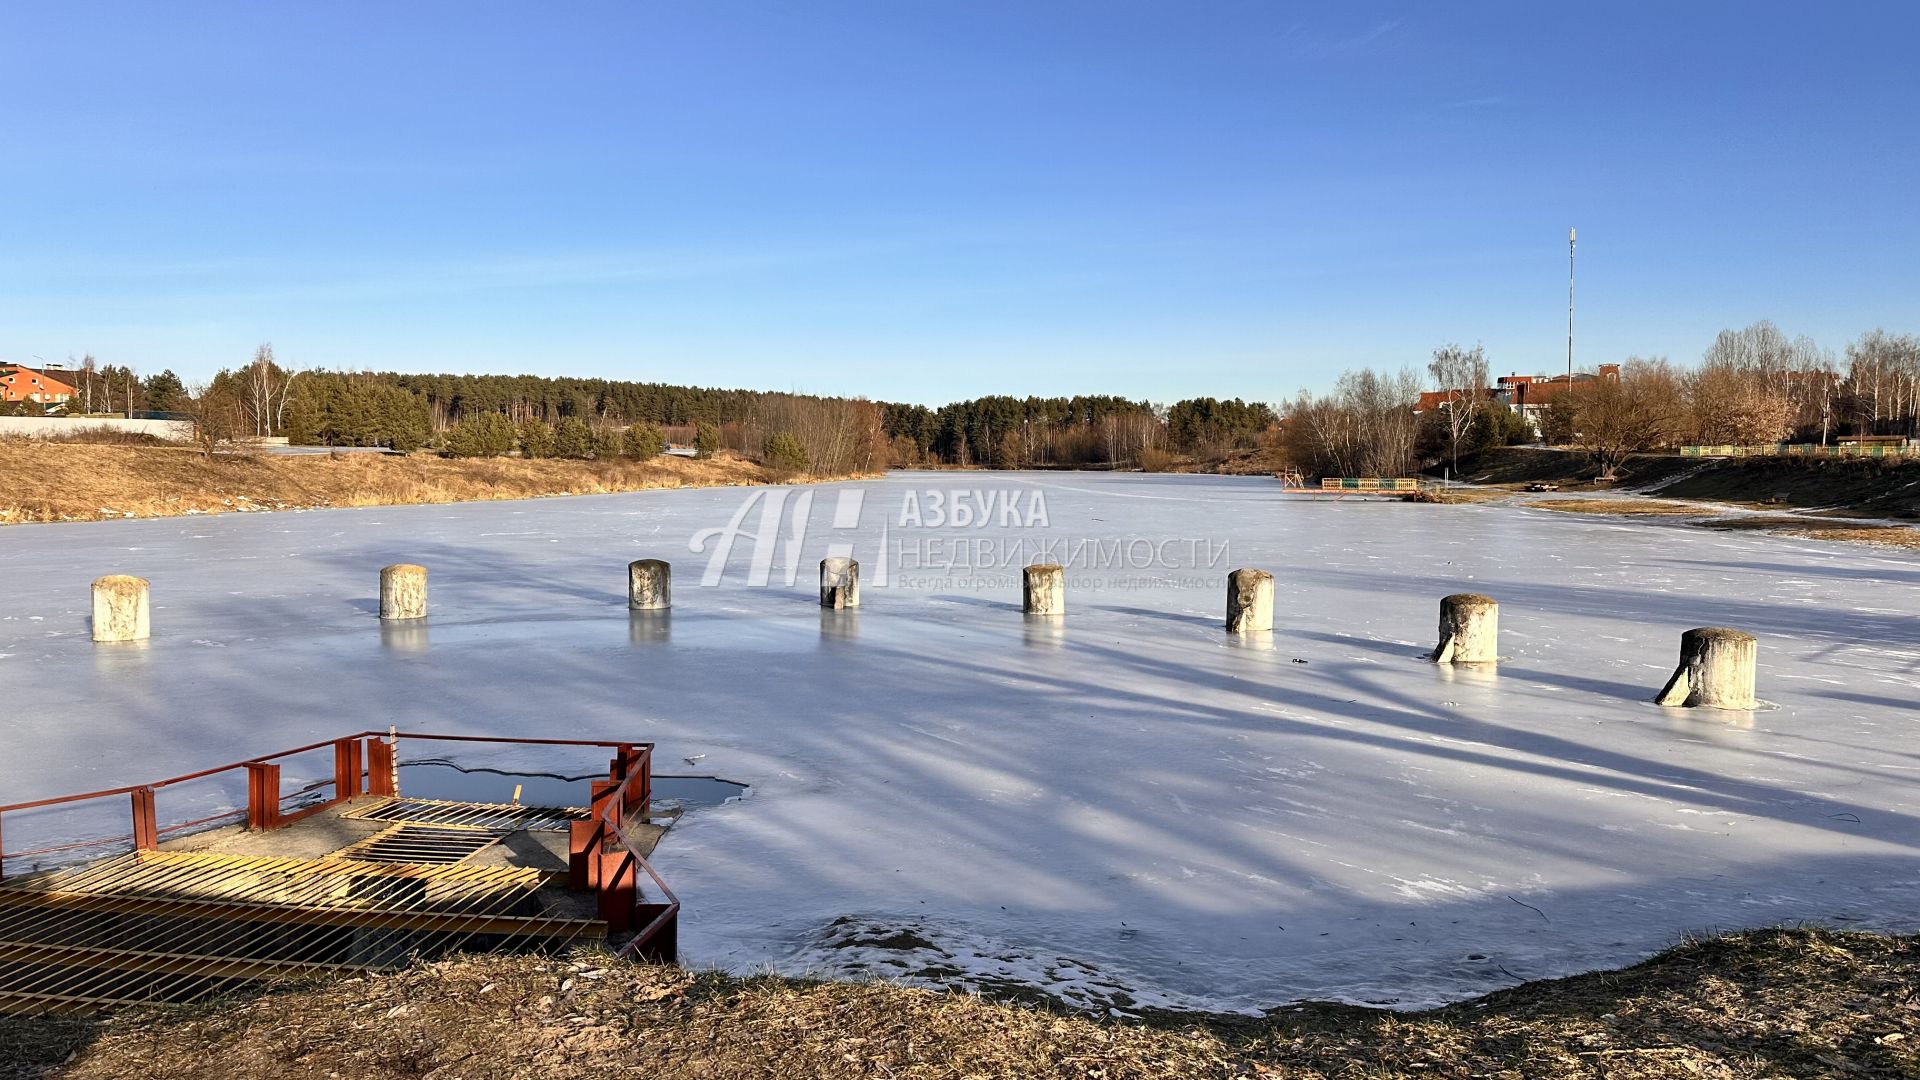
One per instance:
(183, 925)
(161, 926)
(420, 845)
(472, 815)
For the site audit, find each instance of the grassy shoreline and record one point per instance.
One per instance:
(1764, 1003)
(87, 482)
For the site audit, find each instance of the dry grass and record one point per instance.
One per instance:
(78, 482)
(1900, 536)
(1154, 459)
(1620, 507)
(1764, 1004)
(1458, 496)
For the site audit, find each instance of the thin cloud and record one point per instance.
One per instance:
(1349, 44)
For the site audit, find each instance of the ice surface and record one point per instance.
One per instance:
(1125, 807)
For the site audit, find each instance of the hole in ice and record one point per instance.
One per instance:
(445, 780)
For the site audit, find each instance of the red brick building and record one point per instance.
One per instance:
(1527, 395)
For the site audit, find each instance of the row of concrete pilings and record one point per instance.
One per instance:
(1717, 665)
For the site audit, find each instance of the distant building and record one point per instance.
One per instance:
(1528, 395)
(18, 383)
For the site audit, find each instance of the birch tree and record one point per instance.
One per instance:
(265, 389)
(1461, 375)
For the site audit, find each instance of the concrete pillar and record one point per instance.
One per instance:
(839, 583)
(403, 591)
(1469, 630)
(120, 608)
(1249, 601)
(649, 585)
(1717, 668)
(1043, 589)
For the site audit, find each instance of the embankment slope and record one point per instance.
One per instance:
(85, 482)
(1876, 487)
(1777, 1003)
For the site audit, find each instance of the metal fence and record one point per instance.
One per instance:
(1369, 483)
(1872, 450)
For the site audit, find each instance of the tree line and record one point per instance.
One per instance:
(1013, 433)
(473, 414)
(1752, 385)
(535, 416)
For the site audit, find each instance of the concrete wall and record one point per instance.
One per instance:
(39, 427)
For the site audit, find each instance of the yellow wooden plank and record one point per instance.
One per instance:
(311, 868)
(301, 915)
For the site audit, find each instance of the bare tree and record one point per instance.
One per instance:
(1883, 371)
(89, 372)
(1461, 375)
(265, 390)
(219, 416)
(1756, 385)
(1366, 427)
(1615, 418)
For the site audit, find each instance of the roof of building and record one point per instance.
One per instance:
(1517, 389)
(58, 375)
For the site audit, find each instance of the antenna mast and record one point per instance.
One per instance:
(1570, 235)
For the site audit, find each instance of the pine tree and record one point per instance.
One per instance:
(572, 438)
(165, 392)
(486, 435)
(536, 439)
(783, 451)
(645, 441)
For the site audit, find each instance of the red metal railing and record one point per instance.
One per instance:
(601, 858)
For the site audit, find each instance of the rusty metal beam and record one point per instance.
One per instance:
(346, 769)
(380, 767)
(263, 796)
(146, 826)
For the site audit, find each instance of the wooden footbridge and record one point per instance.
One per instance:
(351, 877)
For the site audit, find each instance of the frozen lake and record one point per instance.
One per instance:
(1124, 806)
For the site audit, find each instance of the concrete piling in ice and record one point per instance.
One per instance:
(403, 591)
(120, 608)
(1043, 589)
(1717, 669)
(1249, 601)
(649, 585)
(1469, 630)
(839, 583)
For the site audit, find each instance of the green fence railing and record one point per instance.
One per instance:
(1874, 450)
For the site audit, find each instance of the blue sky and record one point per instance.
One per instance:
(926, 201)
